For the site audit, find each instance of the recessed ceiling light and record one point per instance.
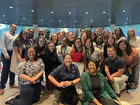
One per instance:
(50, 20)
(123, 10)
(23, 18)
(41, 20)
(104, 12)
(3, 15)
(86, 13)
(75, 21)
(10, 7)
(59, 20)
(69, 12)
(5, 22)
(52, 12)
(109, 20)
(126, 18)
(32, 10)
(91, 20)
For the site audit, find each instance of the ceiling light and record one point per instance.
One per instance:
(3, 15)
(5, 22)
(52, 12)
(109, 20)
(123, 10)
(99, 25)
(75, 21)
(86, 13)
(50, 20)
(91, 20)
(69, 12)
(104, 12)
(23, 18)
(59, 20)
(126, 18)
(41, 20)
(10, 7)
(32, 10)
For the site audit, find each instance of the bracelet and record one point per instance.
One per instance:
(71, 82)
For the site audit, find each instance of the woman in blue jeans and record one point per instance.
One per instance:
(29, 73)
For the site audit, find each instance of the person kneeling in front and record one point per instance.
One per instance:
(96, 89)
(30, 73)
(65, 77)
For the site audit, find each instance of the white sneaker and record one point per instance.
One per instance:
(79, 91)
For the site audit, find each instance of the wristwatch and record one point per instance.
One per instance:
(71, 82)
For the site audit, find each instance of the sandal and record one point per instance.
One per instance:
(13, 86)
(1, 91)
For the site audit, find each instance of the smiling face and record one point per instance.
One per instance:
(111, 40)
(13, 27)
(111, 52)
(51, 47)
(122, 46)
(41, 42)
(131, 33)
(31, 53)
(88, 43)
(67, 60)
(25, 34)
(92, 67)
(78, 43)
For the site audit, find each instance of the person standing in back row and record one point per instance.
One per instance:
(7, 40)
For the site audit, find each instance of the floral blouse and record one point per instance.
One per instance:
(30, 69)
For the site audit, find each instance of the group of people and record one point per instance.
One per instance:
(100, 64)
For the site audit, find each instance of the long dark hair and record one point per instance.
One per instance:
(92, 48)
(27, 57)
(38, 41)
(128, 48)
(121, 32)
(75, 48)
(20, 35)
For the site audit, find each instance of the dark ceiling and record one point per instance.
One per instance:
(69, 13)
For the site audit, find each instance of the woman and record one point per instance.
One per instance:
(96, 89)
(65, 77)
(133, 39)
(93, 37)
(41, 48)
(130, 56)
(29, 73)
(92, 53)
(119, 35)
(54, 39)
(110, 42)
(70, 39)
(77, 55)
(106, 35)
(51, 62)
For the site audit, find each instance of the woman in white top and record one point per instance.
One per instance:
(135, 42)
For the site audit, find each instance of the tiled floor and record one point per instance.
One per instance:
(132, 98)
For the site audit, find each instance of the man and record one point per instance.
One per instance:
(62, 50)
(7, 40)
(47, 34)
(115, 69)
(31, 33)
